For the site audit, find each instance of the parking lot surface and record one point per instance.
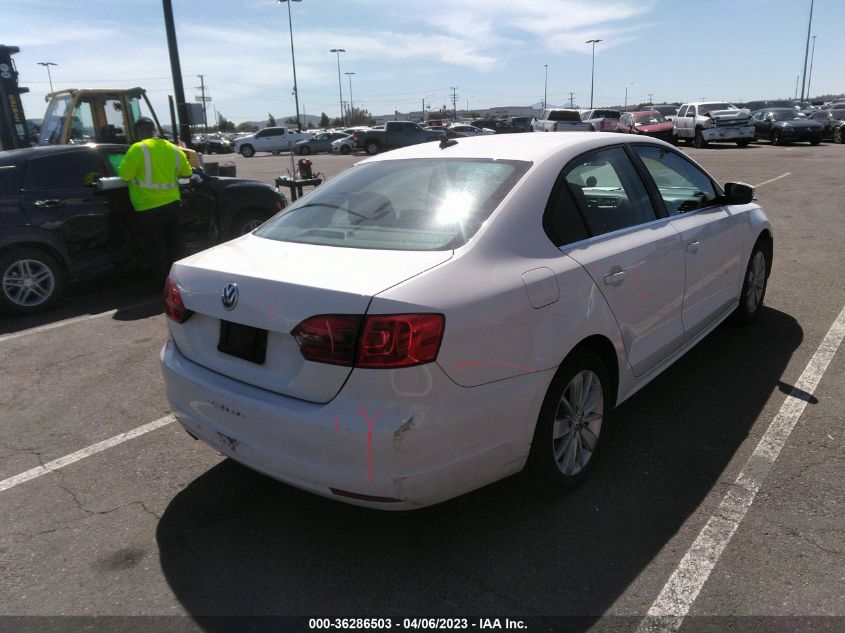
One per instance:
(158, 524)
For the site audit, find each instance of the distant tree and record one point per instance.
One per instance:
(246, 127)
(310, 125)
(224, 124)
(324, 120)
(291, 120)
(360, 116)
(338, 122)
(271, 120)
(473, 115)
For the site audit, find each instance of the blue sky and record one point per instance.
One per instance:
(405, 51)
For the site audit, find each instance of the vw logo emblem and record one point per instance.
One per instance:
(230, 296)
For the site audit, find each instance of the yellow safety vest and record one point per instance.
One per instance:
(152, 168)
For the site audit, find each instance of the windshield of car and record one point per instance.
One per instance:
(707, 108)
(649, 118)
(838, 114)
(787, 115)
(413, 205)
(54, 119)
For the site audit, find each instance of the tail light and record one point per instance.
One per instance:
(174, 307)
(376, 341)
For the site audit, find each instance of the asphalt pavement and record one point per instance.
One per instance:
(160, 527)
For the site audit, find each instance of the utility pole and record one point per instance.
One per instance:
(650, 98)
(807, 49)
(571, 99)
(812, 57)
(176, 71)
(204, 99)
(454, 103)
(423, 110)
(545, 85)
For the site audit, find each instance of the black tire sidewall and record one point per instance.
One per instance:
(742, 314)
(372, 148)
(247, 151)
(7, 258)
(244, 217)
(345, 149)
(541, 469)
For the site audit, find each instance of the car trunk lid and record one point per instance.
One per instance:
(280, 284)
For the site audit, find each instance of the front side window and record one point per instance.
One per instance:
(682, 185)
(683, 112)
(423, 204)
(608, 191)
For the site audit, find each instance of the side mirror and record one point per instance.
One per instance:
(738, 193)
(195, 178)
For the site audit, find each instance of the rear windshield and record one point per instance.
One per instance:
(707, 108)
(408, 205)
(564, 115)
(650, 118)
(606, 114)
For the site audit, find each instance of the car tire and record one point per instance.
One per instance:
(699, 141)
(754, 284)
(815, 141)
(837, 136)
(743, 142)
(45, 275)
(304, 150)
(568, 434)
(247, 221)
(774, 137)
(247, 151)
(344, 149)
(372, 148)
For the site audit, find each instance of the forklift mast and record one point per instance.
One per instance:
(14, 131)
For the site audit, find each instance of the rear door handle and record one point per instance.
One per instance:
(614, 279)
(692, 247)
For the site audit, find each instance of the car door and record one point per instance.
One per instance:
(60, 195)
(710, 234)
(262, 140)
(634, 257)
(685, 122)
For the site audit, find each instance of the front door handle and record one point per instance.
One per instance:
(614, 279)
(52, 203)
(692, 247)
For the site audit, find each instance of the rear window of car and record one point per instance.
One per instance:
(838, 114)
(62, 171)
(413, 205)
(606, 114)
(564, 115)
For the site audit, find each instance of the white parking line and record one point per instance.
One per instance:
(680, 591)
(766, 182)
(87, 317)
(99, 447)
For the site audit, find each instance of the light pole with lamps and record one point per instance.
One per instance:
(47, 66)
(593, 71)
(338, 51)
(626, 93)
(545, 85)
(351, 103)
(293, 62)
(810, 76)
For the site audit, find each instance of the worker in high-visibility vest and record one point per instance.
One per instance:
(152, 167)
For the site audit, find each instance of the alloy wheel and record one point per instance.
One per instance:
(28, 283)
(577, 423)
(756, 281)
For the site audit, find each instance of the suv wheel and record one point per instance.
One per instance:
(373, 148)
(31, 281)
(837, 135)
(699, 141)
(247, 151)
(344, 149)
(774, 137)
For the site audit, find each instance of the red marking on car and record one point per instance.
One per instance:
(370, 425)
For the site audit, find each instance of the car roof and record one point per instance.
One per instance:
(525, 147)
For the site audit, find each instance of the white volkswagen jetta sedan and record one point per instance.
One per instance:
(441, 316)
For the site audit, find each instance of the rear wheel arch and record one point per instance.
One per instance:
(48, 249)
(604, 348)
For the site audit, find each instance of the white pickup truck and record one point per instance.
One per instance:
(269, 139)
(560, 120)
(704, 122)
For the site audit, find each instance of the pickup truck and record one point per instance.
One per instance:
(269, 139)
(702, 123)
(560, 120)
(394, 135)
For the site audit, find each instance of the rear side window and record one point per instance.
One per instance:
(62, 171)
(682, 185)
(608, 191)
(410, 205)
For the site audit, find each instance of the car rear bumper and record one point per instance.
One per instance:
(733, 133)
(422, 441)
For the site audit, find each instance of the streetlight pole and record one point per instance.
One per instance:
(338, 51)
(545, 86)
(807, 49)
(293, 62)
(351, 103)
(812, 56)
(47, 66)
(593, 71)
(797, 77)
(626, 93)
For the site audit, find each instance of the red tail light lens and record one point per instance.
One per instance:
(173, 304)
(329, 338)
(382, 341)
